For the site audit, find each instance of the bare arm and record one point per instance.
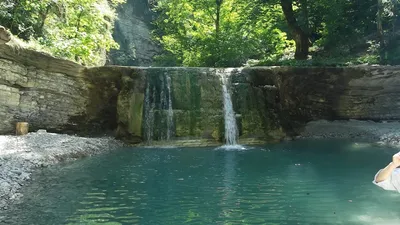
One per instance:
(384, 177)
(386, 172)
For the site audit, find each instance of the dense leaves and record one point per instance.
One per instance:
(229, 33)
(219, 33)
(74, 29)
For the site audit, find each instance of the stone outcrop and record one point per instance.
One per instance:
(270, 103)
(53, 94)
(363, 93)
(5, 36)
(133, 33)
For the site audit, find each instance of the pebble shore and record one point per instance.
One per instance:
(21, 155)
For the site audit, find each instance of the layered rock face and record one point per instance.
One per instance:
(197, 105)
(53, 94)
(132, 33)
(270, 102)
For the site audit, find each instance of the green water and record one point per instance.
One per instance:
(303, 182)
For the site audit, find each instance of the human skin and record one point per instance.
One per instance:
(388, 170)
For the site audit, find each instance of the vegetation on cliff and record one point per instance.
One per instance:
(277, 32)
(219, 33)
(78, 30)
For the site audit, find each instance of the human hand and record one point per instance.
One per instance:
(396, 159)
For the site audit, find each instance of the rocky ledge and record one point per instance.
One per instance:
(386, 132)
(19, 156)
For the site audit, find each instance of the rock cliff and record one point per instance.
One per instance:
(133, 33)
(53, 94)
(270, 103)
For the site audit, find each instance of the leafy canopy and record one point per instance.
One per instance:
(79, 30)
(218, 33)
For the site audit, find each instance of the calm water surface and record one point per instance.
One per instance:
(303, 182)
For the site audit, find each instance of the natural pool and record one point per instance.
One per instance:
(302, 182)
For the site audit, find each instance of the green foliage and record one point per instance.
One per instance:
(79, 30)
(341, 31)
(205, 33)
(217, 33)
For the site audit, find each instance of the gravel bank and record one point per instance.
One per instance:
(387, 133)
(19, 156)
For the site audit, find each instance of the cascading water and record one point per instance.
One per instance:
(162, 105)
(159, 87)
(170, 115)
(231, 132)
(149, 112)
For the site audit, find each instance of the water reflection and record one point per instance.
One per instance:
(228, 197)
(292, 183)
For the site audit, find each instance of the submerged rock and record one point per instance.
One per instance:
(386, 133)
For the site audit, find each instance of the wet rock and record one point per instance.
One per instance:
(383, 133)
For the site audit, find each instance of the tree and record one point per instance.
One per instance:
(219, 32)
(300, 36)
(79, 30)
(381, 35)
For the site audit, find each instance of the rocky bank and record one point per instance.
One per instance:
(385, 132)
(20, 156)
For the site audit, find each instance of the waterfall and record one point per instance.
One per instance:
(162, 112)
(149, 105)
(231, 131)
(170, 115)
(161, 107)
(166, 104)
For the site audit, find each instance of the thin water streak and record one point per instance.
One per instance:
(231, 131)
(165, 104)
(170, 117)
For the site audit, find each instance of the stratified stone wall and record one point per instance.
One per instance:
(197, 103)
(269, 102)
(52, 94)
(365, 92)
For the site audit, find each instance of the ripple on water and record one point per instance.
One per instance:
(302, 185)
(232, 148)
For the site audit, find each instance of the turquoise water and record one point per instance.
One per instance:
(302, 182)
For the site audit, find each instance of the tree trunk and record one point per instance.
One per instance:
(22, 128)
(300, 36)
(43, 17)
(217, 28)
(218, 17)
(304, 11)
(381, 37)
(394, 19)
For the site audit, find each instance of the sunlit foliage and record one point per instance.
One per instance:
(79, 30)
(219, 33)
